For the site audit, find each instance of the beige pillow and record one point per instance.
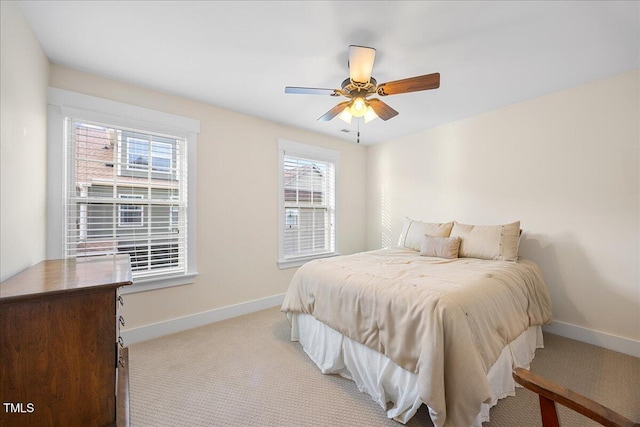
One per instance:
(441, 247)
(413, 232)
(499, 242)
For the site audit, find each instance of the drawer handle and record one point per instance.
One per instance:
(121, 361)
(120, 341)
(121, 300)
(121, 320)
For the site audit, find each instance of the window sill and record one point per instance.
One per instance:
(149, 284)
(297, 262)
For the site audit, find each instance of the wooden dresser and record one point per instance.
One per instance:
(62, 361)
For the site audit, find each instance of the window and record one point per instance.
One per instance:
(291, 217)
(122, 212)
(139, 151)
(307, 203)
(130, 215)
(175, 215)
(127, 186)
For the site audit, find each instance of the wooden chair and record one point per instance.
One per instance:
(550, 393)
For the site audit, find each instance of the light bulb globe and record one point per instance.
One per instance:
(358, 107)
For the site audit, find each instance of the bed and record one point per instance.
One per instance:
(425, 323)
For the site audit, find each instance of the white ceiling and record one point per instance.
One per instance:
(240, 55)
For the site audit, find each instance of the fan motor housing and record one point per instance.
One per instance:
(350, 87)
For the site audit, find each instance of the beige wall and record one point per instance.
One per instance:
(23, 148)
(565, 164)
(237, 201)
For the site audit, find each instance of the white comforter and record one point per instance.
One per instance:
(446, 320)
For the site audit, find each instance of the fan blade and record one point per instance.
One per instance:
(382, 110)
(361, 63)
(412, 84)
(334, 111)
(311, 91)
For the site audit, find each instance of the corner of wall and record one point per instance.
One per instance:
(24, 79)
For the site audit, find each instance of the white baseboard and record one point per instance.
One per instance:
(155, 330)
(601, 339)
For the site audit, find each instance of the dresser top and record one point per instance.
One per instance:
(67, 275)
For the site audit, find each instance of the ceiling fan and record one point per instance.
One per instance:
(360, 86)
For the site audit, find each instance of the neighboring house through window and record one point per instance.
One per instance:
(307, 203)
(126, 189)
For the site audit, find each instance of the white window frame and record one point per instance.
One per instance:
(62, 104)
(127, 207)
(313, 152)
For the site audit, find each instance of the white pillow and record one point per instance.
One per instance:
(441, 247)
(413, 232)
(499, 242)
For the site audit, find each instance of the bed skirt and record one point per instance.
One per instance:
(385, 381)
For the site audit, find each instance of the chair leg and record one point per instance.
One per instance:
(548, 412)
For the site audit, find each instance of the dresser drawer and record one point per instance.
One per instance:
(57, 354)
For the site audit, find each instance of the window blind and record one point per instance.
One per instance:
(309, 206)
(126, 192)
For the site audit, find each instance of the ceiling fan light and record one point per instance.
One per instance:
(369, 115)
(359, 107)
(345, 115)
(361, 63)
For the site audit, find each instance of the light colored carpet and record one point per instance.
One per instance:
(246, 372)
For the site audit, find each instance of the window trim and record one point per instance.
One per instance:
(63, 103)
(312, 152)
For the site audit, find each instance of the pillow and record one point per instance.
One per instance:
(499, 242)
(441, 247)
(413, 232)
